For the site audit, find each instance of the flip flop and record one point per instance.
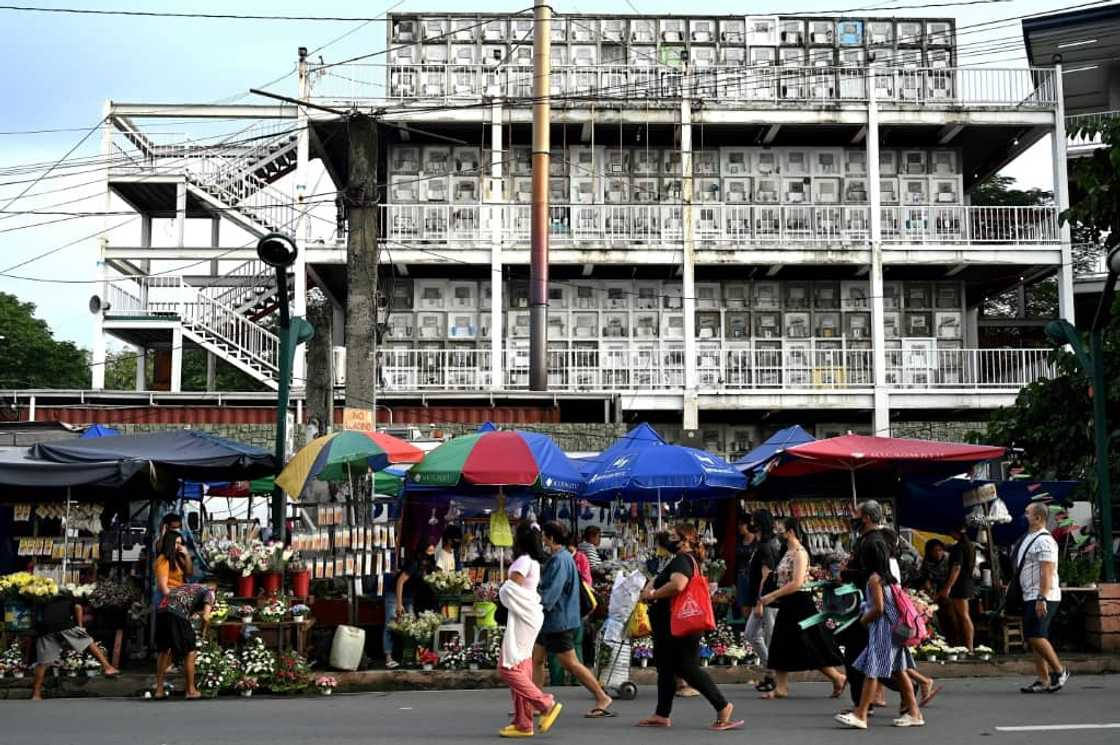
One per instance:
(687, 693)
(929, 697)
(721, 725)
(117, 674)
(773, 696)
(838, 692)
(654, 723)
(599, 713)
(549, 717)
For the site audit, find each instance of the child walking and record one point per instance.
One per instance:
(59, 622)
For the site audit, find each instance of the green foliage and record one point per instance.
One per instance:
(120, 373)
(997, 191)
(1096, 184)
(30, 356)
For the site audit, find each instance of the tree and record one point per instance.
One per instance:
(30, 356)
(120, 373)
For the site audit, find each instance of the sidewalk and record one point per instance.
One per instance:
(133, 684)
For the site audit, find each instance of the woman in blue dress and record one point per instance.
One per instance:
(883, 658)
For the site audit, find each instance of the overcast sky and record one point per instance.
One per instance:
(60, 69)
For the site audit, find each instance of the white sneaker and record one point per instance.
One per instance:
(851, 721)
(908, 721)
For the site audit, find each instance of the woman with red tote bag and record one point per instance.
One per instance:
(679, 602)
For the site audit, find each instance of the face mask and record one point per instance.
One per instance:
(673, 546)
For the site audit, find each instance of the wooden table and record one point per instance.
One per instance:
(302, 630)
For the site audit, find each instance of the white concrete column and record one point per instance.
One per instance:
(881, 415)
(177, 359)
(691, 418)
(494, 194)
(32, 411)
(1061, 199)
(181, 214)
(141, 369)
(97, 367)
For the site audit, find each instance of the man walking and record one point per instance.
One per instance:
(559, 589)
(1036, 556)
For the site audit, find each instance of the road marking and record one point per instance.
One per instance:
(1055, 727)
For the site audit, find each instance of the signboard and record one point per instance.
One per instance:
(357, 419)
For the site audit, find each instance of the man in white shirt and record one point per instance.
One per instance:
(1036, 554)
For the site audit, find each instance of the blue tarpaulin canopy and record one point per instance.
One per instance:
(98, 430)
(19, 469)
(186, 454)
(937, 507)
(776, 444)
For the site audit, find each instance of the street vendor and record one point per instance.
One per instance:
(411, 594)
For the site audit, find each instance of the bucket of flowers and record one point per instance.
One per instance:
(452, 655)
(642, 651)
(983, 653)
(449, 588)
(953, 654)
(476, 656)
(705, 654)
(90, 664)
(256, 661)
(325, 684)
(933, 649)
(299, 612)
(735, 654)
(427, 658)
(486, 605)
(246, 684)
(246, 612)
(72, 663)
(274, 611)
(12, 660)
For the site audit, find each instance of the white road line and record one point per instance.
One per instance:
(1055, 727)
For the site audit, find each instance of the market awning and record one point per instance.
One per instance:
(19, 469)
(777, 443)
(186, 454)
(860, 452)
(639, 438)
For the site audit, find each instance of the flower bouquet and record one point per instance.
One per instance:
(706, 654)
(220, 611)
(487, 592)
(256, 661)
(452, 655)
(79, 592)
(449, 584)
(275, 556)
(27, 587)
(234, 557)
(325, 684)
(12, 660)
(477, 656)
(246, 684)
(299, 612)
(983, 652)
(932, 649)
(90, 664)
(420, 629)
(275, 611)
(246, 613)
(952, 654)
(642, 651)
(72, 663)
(215, 669)
(291, 674)
(427, 658)
(735, 654)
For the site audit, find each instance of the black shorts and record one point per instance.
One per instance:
(174, 634)
(557, 642)
(1035, 627)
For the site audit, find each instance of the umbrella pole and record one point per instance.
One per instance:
(659, 509)
(852, 472)
(66, 537)
(501, 551)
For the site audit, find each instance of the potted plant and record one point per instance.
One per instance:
(245, 685)
(299, 612)
(246, 612)
(983, 653)
(452, 655)
(274, 611)
(72, 663)
(291, 674)
(735, 654)
(90, 664)
(300, 574)
(12, 660)
(952, 654)
(256, 661)
(427, 658)
(705, 654)
(216, 669)
(476, 656)
(325, 684)
(642, 652)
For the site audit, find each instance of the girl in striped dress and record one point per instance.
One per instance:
(883, 658)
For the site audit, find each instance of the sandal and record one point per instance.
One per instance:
(837, 692)
(851, 721)
(773, 695)
(926, 698)
(722, 725)
(765, 685)
(654, 723)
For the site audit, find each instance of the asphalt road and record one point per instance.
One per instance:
(965, 711)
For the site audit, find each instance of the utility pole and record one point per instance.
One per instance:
(538, 261)
(362, 255)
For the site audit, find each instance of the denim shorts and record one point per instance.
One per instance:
(1035, 627)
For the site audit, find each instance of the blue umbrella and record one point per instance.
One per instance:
(753, 462)
(639, 438)
(487, 426)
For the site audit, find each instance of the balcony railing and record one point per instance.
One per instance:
(726, 225)
(723, 366)
(1083, 143)
(358, 83)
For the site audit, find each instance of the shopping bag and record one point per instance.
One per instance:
(639, 626)
(500, 533)
(691, 610)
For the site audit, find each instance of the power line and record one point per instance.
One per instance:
(204, 16)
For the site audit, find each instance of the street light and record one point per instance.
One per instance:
(1062, 332)
(280, 252)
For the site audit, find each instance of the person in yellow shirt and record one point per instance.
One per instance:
(173, 563)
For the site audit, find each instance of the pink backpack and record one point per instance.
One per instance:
(910, 629)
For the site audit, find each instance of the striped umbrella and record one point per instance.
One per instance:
(335, 456)
(498, 459)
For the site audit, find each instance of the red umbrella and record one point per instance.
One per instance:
(861, 452)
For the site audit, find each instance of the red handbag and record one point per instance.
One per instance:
(691, 610)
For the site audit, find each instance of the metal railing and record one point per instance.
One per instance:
(723, 366)
(173, 297)
(718, 224)
(244, 283)
(362, 84)
(1077, 142)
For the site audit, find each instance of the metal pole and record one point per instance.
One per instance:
(284, 385)
(1100, 438)
(538, 262)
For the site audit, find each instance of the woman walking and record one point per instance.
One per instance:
(679, 656)
(519, 595)
(959, 587)
(760, 573)
(884, 658)
(791, 648)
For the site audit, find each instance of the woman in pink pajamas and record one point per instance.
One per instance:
(519, 595)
